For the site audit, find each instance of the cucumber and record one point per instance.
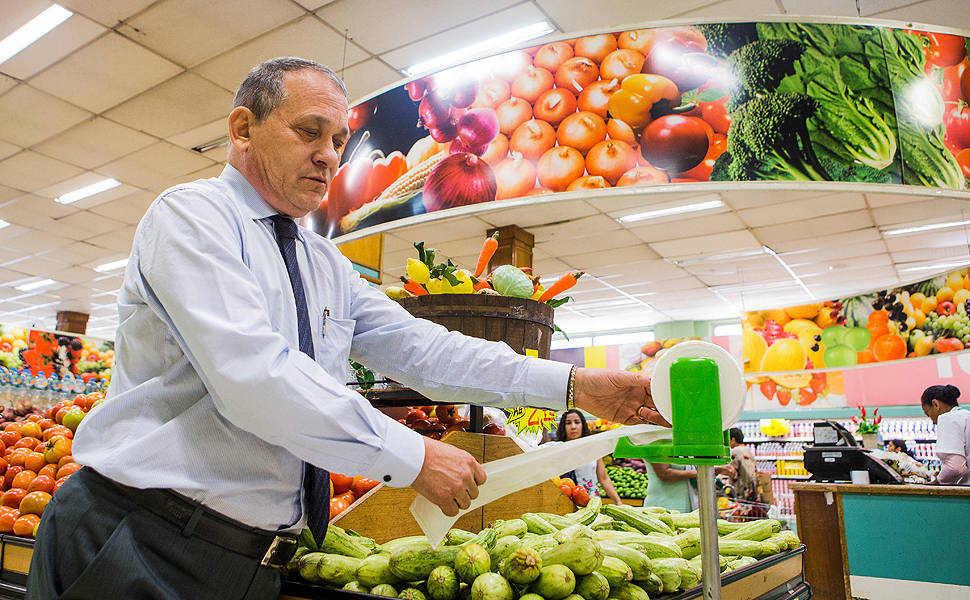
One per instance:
(355, 586)
(537, 524)
(503, 547)
(554, 582)
(576, 530)
(338, 541)
(328, 569)
(655, 510)
(652, 585)
(602, 522)
(491, 586)
(668, 572)
(654, 547)
(621, 526)
(642, 521)
(616, 571)
(457, 537)
(443, 583)
(486, 539)
(540, 542)
(740, 547)
(741, 562)
(726, 527)
(471, 561)
(389, 546)
(557, 521)
(374, 570)
(761, 529)
(294, 565)
(384, 589)
(593, 586)
(415, 560)
(639, 563)
(522, 566)
(697, 560)
(629, 591)
(581, 555)
(689, 542)
(411, 593)
(516, 527)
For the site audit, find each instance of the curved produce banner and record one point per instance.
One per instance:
(712, 102)
(784, 348)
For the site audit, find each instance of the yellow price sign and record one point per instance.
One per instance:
(532, 420)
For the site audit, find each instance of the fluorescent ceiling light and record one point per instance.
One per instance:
(740, 254)
(729, 329)
(88, 190)
(938, 266)
(790, 272)
(111, 266)
(926, 227)
(32, 31)
(498, 43)
(4, 224)
(33, 285)
(673, 210)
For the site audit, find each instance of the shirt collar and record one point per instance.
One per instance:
(252, 202)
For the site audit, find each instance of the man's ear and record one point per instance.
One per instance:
(241, 120)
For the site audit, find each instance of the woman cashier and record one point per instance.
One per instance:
(952, 433)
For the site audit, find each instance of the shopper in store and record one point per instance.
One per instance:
(228, 395)
(573, 426)
(899, 445)
(745, 478)
(670, 486)
(952, 433)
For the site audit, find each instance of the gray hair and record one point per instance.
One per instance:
(262, 90)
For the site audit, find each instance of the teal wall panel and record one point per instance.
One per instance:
(919, 538)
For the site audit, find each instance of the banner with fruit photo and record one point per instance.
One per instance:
(784, 349)
(52, 352)
(711, 102)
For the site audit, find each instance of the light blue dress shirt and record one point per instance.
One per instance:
(210, 395)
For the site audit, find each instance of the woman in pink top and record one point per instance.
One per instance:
(952, 433)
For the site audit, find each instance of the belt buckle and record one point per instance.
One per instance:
(280, 551)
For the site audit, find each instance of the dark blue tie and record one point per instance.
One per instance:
(316, 481)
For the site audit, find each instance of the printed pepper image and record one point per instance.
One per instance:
(637, 96)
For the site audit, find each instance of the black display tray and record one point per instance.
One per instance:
(795, 589)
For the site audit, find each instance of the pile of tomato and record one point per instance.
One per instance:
(577, 493)
(345, 490)
(37, 461)
(947, 65)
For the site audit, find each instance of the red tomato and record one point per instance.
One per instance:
(768, 389)
(963, 157)
(341, 483)
(6, 347)
(806, 396)
(565, 488)
(715, 111)
(57, 448)
(951, 82)
(965, 83)
(956, 119)
(945, 50)
(41, 483)
(676, 143)
(580, 496)
(337, 506)
(12, 497)
(362, 485)
(360, 114)
(58, 484)
(68, 469)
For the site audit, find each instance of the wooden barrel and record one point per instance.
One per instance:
(524, 324)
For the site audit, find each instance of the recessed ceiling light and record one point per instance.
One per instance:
(497, 43)
(673, 210)
(88, 190)
(32, 31)
(33, 285)
(4, 224)
(111, 266)
(937, 267)
(926, 227)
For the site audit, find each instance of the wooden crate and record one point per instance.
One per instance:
(383, 513)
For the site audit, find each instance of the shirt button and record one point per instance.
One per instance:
(387, 478)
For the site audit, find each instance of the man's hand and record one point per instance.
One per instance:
(618, 396)
(449, 477)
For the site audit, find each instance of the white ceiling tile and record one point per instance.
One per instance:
(950, 13)
(94, 143)
(580, 227)
(597, 262)
(203, 134)
(442, 231)
(181, 103)
(32, 242)
(31, 204)
(75, 292)
(313, 4)
(184, 32)
(75, 275)
(821, 7)
(7, 149)
(30, 116)
(532, 215)
(213, 170)
(730, 9)
(821, 258)
(79, 181)
(617, 239)
(6, 83)
(53, 46)
(129, 209)
(85, 253)
(921, 212)
(91, 224)
(119, 239)
(367, 77)
(827, 241)
(696, 246)
(799, 210)
(929, 254)
(755, 197)
(930, 239)
(587, 16)
(470, 33)
(106, 12)
(11, 231)
(879, 200)
(814, 227)
(108, 283)
(8, 276)
(154, 164)
(417, 21)
(306, 38)
(16, 14)
(685, 226)
(30, 171)
(108, 71)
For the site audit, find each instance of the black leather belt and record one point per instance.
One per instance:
(194, 519)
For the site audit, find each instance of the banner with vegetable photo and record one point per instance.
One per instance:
(910, 321)
(55, 353)
(712, 102)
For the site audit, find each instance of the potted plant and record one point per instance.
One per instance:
(868, 428)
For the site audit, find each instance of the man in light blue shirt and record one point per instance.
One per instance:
(196, 460)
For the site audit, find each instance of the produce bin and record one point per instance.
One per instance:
(15, 555)
(778, 577)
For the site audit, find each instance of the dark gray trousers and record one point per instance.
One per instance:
(93, 542)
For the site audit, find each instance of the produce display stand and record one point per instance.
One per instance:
(383, 513)
(778, 577)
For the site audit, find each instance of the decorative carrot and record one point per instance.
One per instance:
(414, 287)
(481, 284)
(565, 282)
(488, 250)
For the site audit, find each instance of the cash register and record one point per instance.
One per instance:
(835, 453)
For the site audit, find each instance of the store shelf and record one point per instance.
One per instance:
(778, 439)
(796, 458)
(773, 476)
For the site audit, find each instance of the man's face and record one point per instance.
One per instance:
(295, 151)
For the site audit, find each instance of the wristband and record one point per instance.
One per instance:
(570, 389)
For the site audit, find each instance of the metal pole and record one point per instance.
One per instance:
(710, 563)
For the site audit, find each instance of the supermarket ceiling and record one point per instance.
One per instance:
(126, 88)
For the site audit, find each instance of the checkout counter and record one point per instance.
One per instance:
(883, 540)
